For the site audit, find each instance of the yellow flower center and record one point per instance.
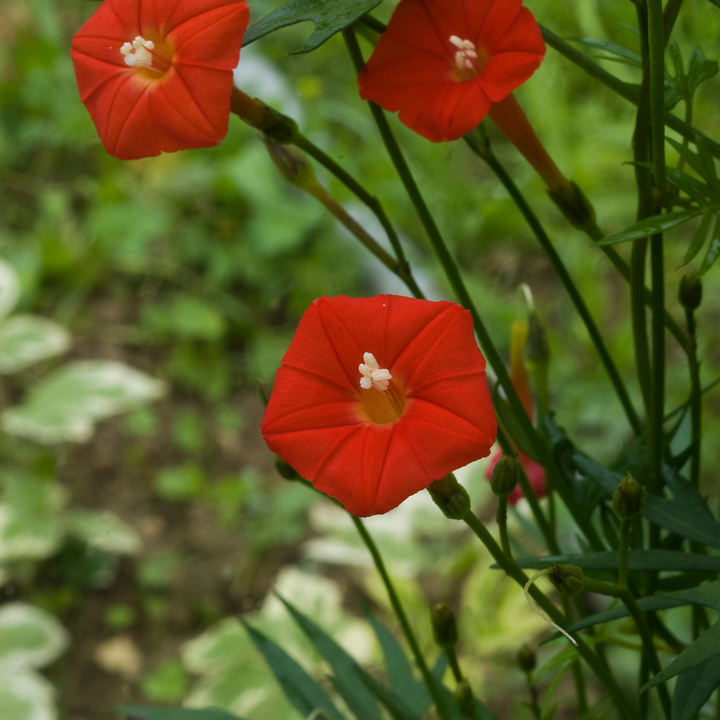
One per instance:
(381, 402)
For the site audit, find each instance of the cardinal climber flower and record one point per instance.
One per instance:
(156, 76)
(442, 63)
(378, 397)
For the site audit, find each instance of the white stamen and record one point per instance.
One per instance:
(137, 53)
(373, 375)
(466, 53)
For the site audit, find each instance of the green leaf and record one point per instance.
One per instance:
(156, 713)
(698, 240)
(347, 678)
(65, 405)
(691, 186)
(27, 339)
(646, 604)
(398, 667)
(712, 252)
(393, 704)
(29, 637)
(653, 225)
(623, 54)
(105, 531)
(328, 16)
(694, 688)
(9, 288)
(707, 594)
(667, 560)
(301, 689)
(700, 69)
(705, 648)
(701, 162)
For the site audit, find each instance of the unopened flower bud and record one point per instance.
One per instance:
(690, 291)
(292, 164)
(286, 470)
(569, 580)
(573, 204)
(504, 476)
(526, 659)
(463, 695)
(629, 498)
(451, 497)
(537, 349)
(444, 625)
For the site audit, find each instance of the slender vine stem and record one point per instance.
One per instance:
(656, 50)
(372, 202)
(695, 399)
(428, 677)
(502, 525)
(484, 151)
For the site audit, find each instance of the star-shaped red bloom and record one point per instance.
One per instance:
(377, 397)
(156, 75)
(443, 63)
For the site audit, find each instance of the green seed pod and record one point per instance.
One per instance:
(504, 476)
(450, 497)
(690, 291)
(526, 659)
(444, 625)
(629, 498)
(569, 580)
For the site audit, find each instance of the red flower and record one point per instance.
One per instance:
(377, 397)
(443, 63)
(156, 75)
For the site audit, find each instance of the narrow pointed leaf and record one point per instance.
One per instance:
(625, 55)
(301, 689)
(347, 676)
(328, 16)
(399, 670)
(667, 560)
(393, 704)
(704, 649)
(694, 688)
(652, 226)
(646, 604)
(707, 594)
(694, 188)
(700, 69)
(712, 252)
(698, 240)
(156, 713)
(701, 162)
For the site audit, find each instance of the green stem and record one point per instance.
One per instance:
(580, 693)
(539, 448)
(670, 15)
(453, 662)
(502, 525)
(655, 481)
(695, 400)
(369, 200)
(639, 318)
(428, 677)
(625, 707)
(483, 150)
(626, 91)
(623, 554)
(656, 47)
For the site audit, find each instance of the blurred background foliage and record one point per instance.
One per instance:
(193, 269)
